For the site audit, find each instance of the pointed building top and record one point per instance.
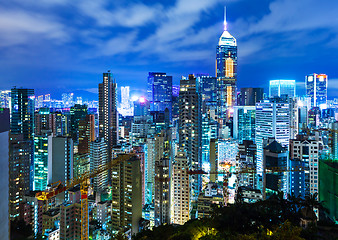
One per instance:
(225, 18)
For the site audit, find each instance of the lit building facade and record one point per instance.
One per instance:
(272, 120)
(250, 96)
(189, 130)
(159, 91)
(244, 123)
(108, 119)
(40, 166)
(180, 189)
(277, 88)
(316, 89)
(226, 73)
(98, 158)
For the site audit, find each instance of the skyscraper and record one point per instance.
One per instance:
(40, 166)
(98, 158)
(272, 120)
(188, 129)
(244, 123)
(316, 89)
(108, 120)
(250, 96)
(159, 91)
(226, 73)
(22, 112)
(277, 88)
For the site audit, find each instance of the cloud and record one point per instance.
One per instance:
(133, 15)
(18, 27)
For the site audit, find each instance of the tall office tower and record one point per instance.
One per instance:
(22, 112)
(313, 117)
(40, 165)
(86, 133)
(316, 89)
(39, 102)
(207, 87)
(180, 189)
(126, 196)
(19, 171)
(67, 100)
(108, 116)
(275, 156)
(77, 113)
(159, 91)
(44, 121)
(62, 124)
(98, 158)
(246, 158)
(162, 178)
(125, 105)
(308, 152)
(272, 120)
(298, 181)
(60, 161)
(277, 88)
(250, 96)
(150, 154)
(4, 171)
(5, 98)
(226, 73)
(244, 123)
(142, 121)
(334, 140)
(189, 130)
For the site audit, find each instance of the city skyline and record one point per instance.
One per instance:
(50, 54)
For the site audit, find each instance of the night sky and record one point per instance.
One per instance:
(57, 46)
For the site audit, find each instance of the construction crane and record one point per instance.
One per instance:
(82, 180)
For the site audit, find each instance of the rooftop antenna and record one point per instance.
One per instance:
(225, 18)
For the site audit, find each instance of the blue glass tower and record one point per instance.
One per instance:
(159, 91)
(226, 73)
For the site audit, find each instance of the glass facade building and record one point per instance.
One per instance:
(159, 91)
(40, 163)
(226, 73)
(277, 88)
(316, 89)
(244, 123)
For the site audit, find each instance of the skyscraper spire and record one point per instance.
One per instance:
(225, 18)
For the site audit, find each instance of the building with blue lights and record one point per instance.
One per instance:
(277, 88)
(316, 89)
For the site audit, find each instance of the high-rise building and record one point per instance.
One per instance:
(275, 156)
(162, 178)
(77, 113)
(40, 165)
(180, 189)
(272, 120)
(62, 124)
(4, 171)
(86, 133)
(67, 99)
(226, 73)
(189, 129)
(159, 91)
(250, 96)
(126, 196)
(44, 121)
(19, 172)
(60, 161)
(277, 88)
(98, 158)
(22, 112)
(207, 89)
(316, 89)
(125, 105)
(108, 116)
(244, 123)
(5, 98)
(307, 151)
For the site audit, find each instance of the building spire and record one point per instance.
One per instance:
(225, 18)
